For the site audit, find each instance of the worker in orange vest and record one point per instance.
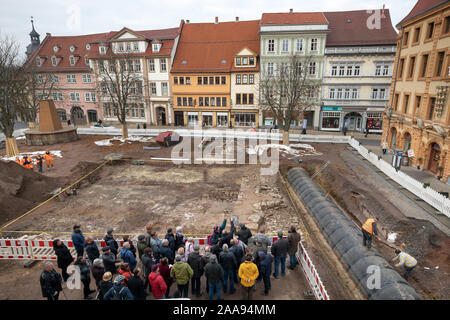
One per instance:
(27, 162)
(368, 229)
(18, 161)
(48, 159)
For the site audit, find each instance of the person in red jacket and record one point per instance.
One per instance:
(157, 283)
(125, 271)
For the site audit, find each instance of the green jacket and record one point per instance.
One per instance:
(141, 245)
(181, 272)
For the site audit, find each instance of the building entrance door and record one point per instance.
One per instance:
(77, 115)
(354, 121)
(179, 118)
(434, 158)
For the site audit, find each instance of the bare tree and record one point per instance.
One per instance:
(122, 84)
(12, 92)
(40, 85)
(289, 90)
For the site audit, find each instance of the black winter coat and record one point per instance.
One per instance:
(92, 251)
(197, 264)
(109, 261)
(64, 258)
(214, 273)
(104, 288)
(238, 253)
(244, 234)
(85, 271)
(136, 286)
(171, 238)
(226, 238)
(228, 261)
(97, 273)
(110, 242)
(166, 252)
(265, 265)
(50, 282)
(280, 248)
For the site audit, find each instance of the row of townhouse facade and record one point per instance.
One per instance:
(208, 74)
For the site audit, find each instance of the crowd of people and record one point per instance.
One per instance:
(154, 265)
(28, 163)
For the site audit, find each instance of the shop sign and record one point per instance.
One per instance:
(332, 108)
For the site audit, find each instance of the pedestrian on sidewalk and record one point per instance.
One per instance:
(85, 276)
(50, 282)
(164, 271)
(64, 257)
(405, 260)
(128, 256)
(111, 242)
(369, 228)
(248, 272)
(228, 262)
(367, 129)
(279, 251)
(78, 240)
(136, 285)
(181, 272)
(215, 276)
(109, 260)
(293, 238)
(266, 270)
(157, 283)
(97, 272)
(195, 261)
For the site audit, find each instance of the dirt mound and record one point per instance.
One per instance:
(21, 189)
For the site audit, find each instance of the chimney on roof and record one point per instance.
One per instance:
(382, 12)
(237, 19)
(291, 11)
(49, 34)
(217, 20)
(187, 21)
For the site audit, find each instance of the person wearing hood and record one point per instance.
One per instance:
(119, 291)
(147, 263)
(157, 283)
(111, 242)
(109, 260)
(166, 252)
(171, 239)
(78, 240)
(155, 244)
(136, 285)
(248, 272)
(85, 276)
(132, 247)
(64, 257)
(293, 238)
(141, 245)
(244, 233)
(105, 284)
(179, 238)
(50, 282)
(265, 270)
(181, 272)
(91, 249)
(217, 233)
(215, 276)
(128, 256)
(97, 271)
(196, 262)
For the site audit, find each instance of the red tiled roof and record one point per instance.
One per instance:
(205, 46)
(356, 32)
(293, 18)
(421, 7)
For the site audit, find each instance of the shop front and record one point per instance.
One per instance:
(207, 119)
(222, 119)
(331, 119)
(245, 119)
(192, 118)
(374, 120)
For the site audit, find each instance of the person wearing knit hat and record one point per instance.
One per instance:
(105, 284)
(118, 291)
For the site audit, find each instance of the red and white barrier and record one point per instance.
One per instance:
(19, 249)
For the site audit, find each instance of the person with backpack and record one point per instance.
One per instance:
(179, 238)
(195, 261)
(64, 257)
(85, 276)
(111, 242)
(136, 285)
(50, 282)
(157, 283)
(105, 285)
(119, 291)
(128, 256)
(78, 240)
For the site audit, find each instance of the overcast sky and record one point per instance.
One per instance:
(72, 17)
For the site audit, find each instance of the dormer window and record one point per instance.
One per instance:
(238, 61)
(121, 46)
(251, 61)
(72, 60)
(102, 49)
(55, 49)
(86, 60)
(156, 47)
(54, 62)
(245, 61)
(38, 61)
(72, 48)
(128, 47)
(136, 46)
(88, 46)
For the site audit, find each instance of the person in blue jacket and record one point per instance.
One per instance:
(119, 291)
(78, 240)
(128, 256)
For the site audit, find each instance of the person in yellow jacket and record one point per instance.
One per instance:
(405, 260)
(248, 272)
(368, 229)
